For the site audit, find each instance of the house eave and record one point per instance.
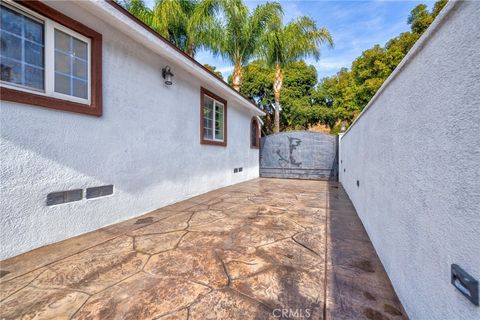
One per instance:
(126, 23)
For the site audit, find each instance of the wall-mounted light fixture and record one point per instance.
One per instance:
(167, 75)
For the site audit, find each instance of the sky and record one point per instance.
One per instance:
(354, 25)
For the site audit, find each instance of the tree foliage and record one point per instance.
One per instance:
(214, 70)
(299, 85)
(337, 98)
(349, 91)
(228, 28)
(188, 24)
(237, 37)
(283, 45)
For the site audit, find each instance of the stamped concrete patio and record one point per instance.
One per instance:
(264, 249)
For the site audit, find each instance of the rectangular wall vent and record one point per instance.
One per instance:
(55, 198)
(237, 170)
(102, 191)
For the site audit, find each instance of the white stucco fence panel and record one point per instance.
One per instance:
(146, 144)
(415, 152)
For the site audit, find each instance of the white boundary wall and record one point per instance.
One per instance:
(415, 151)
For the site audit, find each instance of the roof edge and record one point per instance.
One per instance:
(240, 97)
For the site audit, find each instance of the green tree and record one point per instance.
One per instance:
(284, 44)
(258, 86)
(138, 9)
(228, 28)
(349, 91)
(257, 82)
(214, 70)
(398, 47)
(438, 6)
(369, 71)
(299, 82)
(299, 85)
(336, 91)
(188, 24)
(237, 37)
(420, 18)
(337, 96)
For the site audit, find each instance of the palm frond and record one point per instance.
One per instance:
(298, 39)
(138, 9)
(167, 16)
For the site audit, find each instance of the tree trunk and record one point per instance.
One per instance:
(277, 87)
(191, 50)
(237, 76)
(268, 122)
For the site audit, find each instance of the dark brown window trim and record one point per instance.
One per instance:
(203, 93)
(95, 106)
(253, 123)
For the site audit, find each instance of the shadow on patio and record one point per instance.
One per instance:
(263, 249)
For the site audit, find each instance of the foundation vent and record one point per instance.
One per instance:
(97, 192)
(55, 198)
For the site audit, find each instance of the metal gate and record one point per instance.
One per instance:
(299, 155)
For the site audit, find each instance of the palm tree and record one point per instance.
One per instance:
(282, 45)
(186, 23)
(139, 10)
(237, 33)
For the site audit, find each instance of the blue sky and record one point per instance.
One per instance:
(354, 25)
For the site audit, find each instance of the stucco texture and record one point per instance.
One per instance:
(146, 144)
(416, 153)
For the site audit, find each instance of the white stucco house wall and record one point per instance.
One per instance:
(410, 164)
(107, 117)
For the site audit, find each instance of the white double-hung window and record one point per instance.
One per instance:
(213, 124)
(214, 119)
(41, 56)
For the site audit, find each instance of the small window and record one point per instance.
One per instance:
(48, 59)
(213, 119)
(254, 134)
